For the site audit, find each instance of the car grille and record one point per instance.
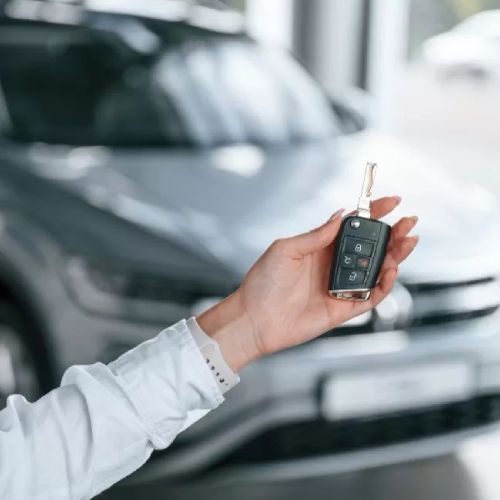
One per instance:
(439, 303)
(314, 438)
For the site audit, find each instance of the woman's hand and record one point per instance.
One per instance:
(284, 301)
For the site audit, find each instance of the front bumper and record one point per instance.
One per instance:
(271, 426)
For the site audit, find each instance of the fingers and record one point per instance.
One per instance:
(402, 228)
(383, 206)
(324, 235)
(398, 254)
(315, 240)
(384, 286)
(399, 233)
(402, 249)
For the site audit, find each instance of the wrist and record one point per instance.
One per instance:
(228, 325)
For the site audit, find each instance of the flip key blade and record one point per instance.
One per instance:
(366, 192)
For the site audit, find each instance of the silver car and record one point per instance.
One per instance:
(146, 163)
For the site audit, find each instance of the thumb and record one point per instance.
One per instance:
(318, 238)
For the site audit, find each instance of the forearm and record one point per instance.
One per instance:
(104, 421)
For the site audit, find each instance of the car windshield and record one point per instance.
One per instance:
(70, 85)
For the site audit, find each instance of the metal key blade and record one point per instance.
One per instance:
(366, 192)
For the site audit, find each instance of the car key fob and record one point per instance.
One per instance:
(360, 249)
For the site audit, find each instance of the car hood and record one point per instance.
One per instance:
(233, 202)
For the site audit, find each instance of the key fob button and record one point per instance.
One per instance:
(348, 261)
(363, 263)
(352, 277)
(358, 247)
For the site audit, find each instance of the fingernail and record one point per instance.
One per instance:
(414, 219)
(398, 199)
(415, 239)
(338, 213)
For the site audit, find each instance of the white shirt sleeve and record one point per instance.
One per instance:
(104, 421)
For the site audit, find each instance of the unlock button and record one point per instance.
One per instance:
(348, 277)
(358, 247)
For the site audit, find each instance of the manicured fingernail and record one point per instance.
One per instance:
(398, 199)
(338, 213)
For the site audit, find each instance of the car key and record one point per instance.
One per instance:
(360, 248)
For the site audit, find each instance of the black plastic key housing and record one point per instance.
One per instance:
(359, 253)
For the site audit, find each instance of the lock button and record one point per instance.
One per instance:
(358, 247)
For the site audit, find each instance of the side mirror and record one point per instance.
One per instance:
(353, 110)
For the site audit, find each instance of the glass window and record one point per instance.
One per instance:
(73, 86)
(77, 86)
(235, 91)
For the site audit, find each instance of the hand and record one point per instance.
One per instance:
(283, 300)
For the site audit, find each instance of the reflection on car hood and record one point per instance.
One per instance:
(233, 202)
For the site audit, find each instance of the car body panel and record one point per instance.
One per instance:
(99, 233)
(295, 188)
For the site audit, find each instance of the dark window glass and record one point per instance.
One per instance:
(59, 82)
(77, 86)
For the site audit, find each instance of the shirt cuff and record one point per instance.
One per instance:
(220, 371)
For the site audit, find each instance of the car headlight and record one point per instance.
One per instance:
(147, 296)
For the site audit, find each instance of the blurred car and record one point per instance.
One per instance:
(147, 162)
(470, 50)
